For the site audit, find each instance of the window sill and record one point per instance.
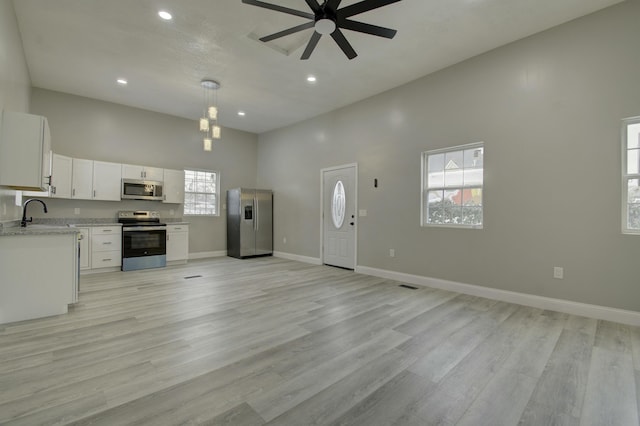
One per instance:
(453, 226)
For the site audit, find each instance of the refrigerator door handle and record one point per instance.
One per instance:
(257, 214)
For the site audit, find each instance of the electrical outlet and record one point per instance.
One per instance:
(392, 253)
(172, 212)
(4, 209)
(558, 272)
(362, 212)
(76, 210)
(284, 240)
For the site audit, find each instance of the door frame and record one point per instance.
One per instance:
(355, 190)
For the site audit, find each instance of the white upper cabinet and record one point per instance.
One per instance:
(106, 181)
(95, 180)
(82, 179)
(173, 187)
(61, 176)
(25, 151)
(130, 171)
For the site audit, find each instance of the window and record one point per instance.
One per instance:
(631, 175)
(201, 190)
(452, 181)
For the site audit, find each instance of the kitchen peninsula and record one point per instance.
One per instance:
(38, 271)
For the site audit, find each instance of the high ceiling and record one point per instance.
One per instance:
(83, 46)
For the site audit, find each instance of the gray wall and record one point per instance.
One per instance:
(15, 86)
(96, 130)
(548, 109)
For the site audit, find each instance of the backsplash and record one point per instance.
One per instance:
(8, 208)
(99, 210)
(87, 221)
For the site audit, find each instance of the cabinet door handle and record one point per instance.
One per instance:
(106, 243)
(73, 192)
(106, 260)
(107, 230)
(94, 193)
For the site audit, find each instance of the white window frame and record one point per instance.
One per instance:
(217, 194)
(424, 186)
(627, 176)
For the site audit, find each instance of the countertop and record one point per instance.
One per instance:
(36, 230)
(93, 225)
(65, 225)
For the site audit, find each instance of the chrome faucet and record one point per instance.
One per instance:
(24, 221)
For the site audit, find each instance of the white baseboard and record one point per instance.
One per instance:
(541, 302)
(207, 254)
(297, 258)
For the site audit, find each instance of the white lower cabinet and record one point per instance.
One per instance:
(85, 257)
(177, 243)
(106, 247)
(39, 275)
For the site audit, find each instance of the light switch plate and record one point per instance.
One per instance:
(362, 212)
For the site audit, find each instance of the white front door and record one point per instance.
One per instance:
(339, 216)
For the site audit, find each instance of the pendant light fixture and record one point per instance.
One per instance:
(209, 120)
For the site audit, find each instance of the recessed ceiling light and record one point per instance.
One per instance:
(122, 81)
(311, 79)
(241, 113)
(165, 15)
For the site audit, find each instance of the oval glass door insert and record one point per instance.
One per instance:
(338, 205)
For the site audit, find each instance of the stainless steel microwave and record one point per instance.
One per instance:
(133, 189)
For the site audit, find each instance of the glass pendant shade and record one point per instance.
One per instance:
(204, 124)
(213, 113)
(209, 121)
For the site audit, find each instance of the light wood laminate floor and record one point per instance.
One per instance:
(270, 341)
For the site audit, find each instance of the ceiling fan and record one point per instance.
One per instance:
(327, 18)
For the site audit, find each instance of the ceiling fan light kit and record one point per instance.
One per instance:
(325, 26)
(328, 19)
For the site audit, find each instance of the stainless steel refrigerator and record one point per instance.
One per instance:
(249, 222)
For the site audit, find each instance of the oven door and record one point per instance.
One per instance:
(139, 241)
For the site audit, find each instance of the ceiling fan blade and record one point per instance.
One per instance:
(333, 4)
(279, 8)
(286, 32)
(363, 6)
(361, 27)
(313, 41)
(314, 5)
(344, 44)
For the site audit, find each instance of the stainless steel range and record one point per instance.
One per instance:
(144, 240)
